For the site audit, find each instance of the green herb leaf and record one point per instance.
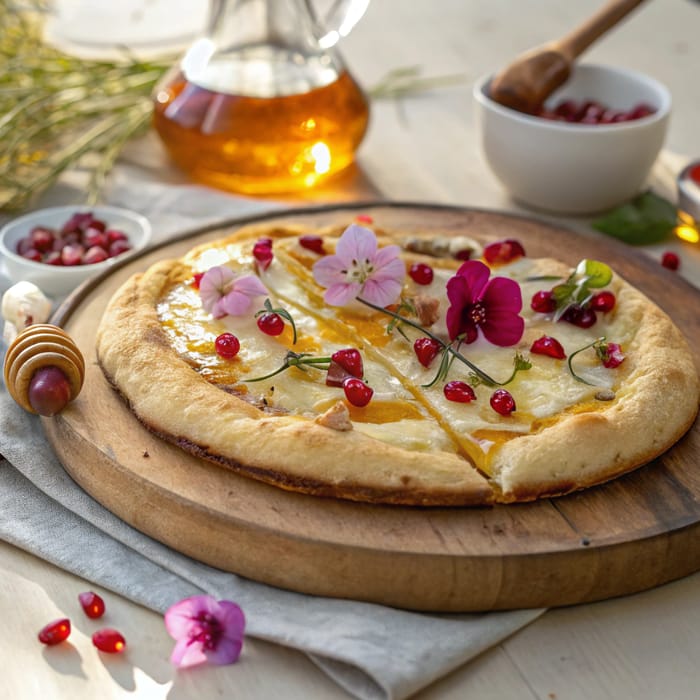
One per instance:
(598, 274)
(648, 218)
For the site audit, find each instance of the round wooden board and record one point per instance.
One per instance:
(632, 534)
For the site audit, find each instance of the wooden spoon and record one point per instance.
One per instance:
(527, 82)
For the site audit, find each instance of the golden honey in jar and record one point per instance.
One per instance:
(259, 116)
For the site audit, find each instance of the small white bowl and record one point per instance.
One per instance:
(569, 167)
(57, 280)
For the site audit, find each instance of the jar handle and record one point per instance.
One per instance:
(339, 21)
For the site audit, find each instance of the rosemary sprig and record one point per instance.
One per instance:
(477, 376)
(594, 344)
(295, 359)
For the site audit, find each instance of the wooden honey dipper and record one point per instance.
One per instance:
(44, 369)
(527, 82)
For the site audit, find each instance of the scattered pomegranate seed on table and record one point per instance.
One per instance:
(92, 604)
(109, 640)
(55, 632)
(670, 260)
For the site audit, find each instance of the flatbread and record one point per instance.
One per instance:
(410, 444)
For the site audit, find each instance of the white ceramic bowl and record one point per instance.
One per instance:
(54, 280)
(574, 168)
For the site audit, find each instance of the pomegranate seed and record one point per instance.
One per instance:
(55, 632)
(426, 349)
(613, 356)
(567, 109)
(549, 346)
(313, 243)
(109, 640)
(227, 345)
(92, 604)
(344, 363)
(543, 302)
(93, 237)
(464, 254)
(364, 219)
(502, 402)
(118, 247)
(694, 174)
(593, 112)
(262, 252)
(641, 110)
(113, 236)
(54, 258)
(602, 301)
(77, 223)
(357, 392)
(49, 391)
(580, 316)
(421, 273)
(72, 254)
(99, 225)
(271, 323)
(196, 279)
(670, 260)
(42, 239)
(459, 392)
(350, 360)
(32, 254)
(93, 255)
(503, 252)
(23, 245)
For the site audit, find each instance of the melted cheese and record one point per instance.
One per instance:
(403, 411)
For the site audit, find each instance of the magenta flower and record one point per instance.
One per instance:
(477, 303)
(206, 630)
(222, 293)
(360, 269)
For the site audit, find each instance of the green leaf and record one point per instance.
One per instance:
(648, 218)
(597, 273)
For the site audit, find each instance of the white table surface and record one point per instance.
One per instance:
(640, 647)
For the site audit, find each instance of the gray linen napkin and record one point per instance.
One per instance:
(374, 652)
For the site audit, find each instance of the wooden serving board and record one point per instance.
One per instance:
(629, 535)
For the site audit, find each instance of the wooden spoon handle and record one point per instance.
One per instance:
(577, 41)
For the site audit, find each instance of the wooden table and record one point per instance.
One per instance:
(640, 647)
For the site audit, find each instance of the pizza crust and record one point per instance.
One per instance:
(655, 404)
(173, 401)
(654, 408)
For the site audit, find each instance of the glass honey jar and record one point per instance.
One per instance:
(263, 103)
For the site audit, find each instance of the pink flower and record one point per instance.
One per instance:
(206, 630)
(359, 268)
(222, 293)
(477, 303)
